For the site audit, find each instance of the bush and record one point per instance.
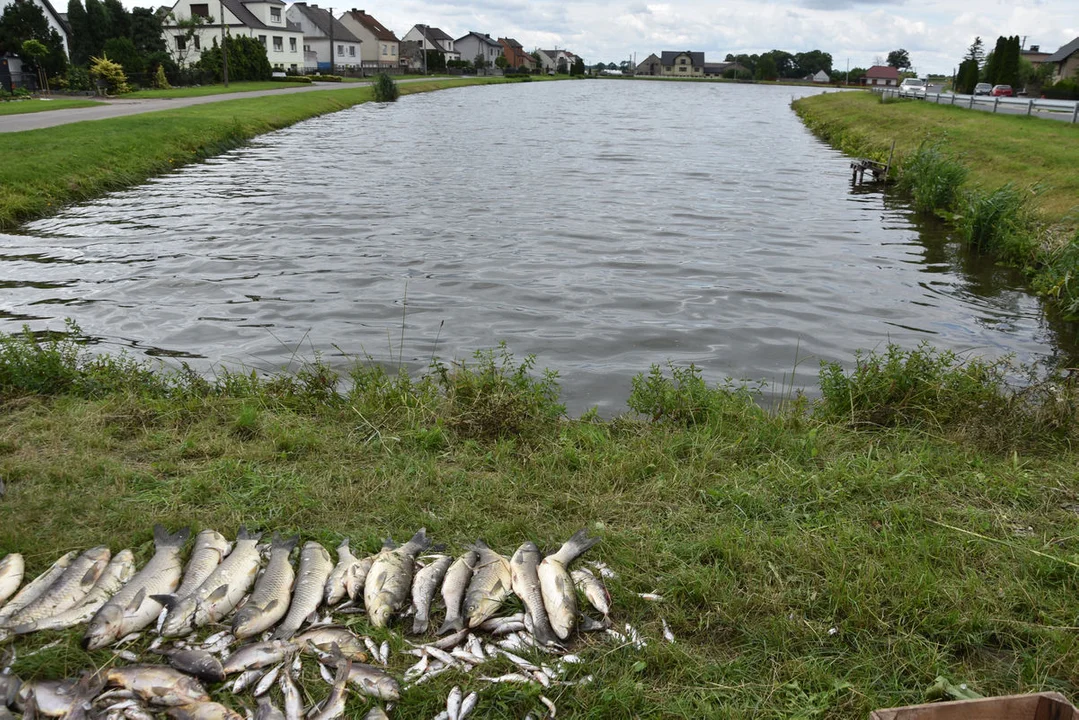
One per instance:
(160, 81)
(686, 399)
(122, 51)
(78, 79)
(301, 79)
(247, 60)
(1000, 221)
(1063, 90)
(1059, 277)
(385, 89)
(932, 178)
(109, 73)
(326, 78)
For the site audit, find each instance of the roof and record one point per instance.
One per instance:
(883, 71)
(60, 18)
(511, 43)
(322, 19)
(245, 16)
(374, 26)
(434, 33)
(668, 56)
(1065, 52)
(483, 38)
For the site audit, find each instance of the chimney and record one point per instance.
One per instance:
(1035, 48)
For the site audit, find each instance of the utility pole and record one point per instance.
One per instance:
(332, 49)
(423, 46)
(847, 82)
(224, 49)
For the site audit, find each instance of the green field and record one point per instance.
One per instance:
(17, 107)
(813, 562)
(203, 90)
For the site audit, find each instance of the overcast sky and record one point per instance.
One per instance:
(935, 33)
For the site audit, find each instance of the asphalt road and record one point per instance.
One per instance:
(1062, 110)
(120, 107)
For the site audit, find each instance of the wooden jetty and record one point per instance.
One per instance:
(877, 169)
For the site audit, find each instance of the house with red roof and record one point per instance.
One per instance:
(881, 76)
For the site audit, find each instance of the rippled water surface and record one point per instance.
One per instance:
(603, 226)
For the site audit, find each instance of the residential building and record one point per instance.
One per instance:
(474, 45)
(263, 20)
(433, 38)
(651, 65)
(881, 76)
(713, 69)
(1066, 60)
(56, 21)
(328, 45)
(820, 77)
(412, 58)
(1035, 55)
(515, 54)
(381, 50)
(682, 64)
(549, 60)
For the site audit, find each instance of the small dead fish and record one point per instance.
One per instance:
(593, 589)
(199, 663)
(267, 710)
(267, 680)
(291, 695)
(12, 569)
(468, 705)
(453, 703)
(667, 634)
(489, 587)
(374, 682)
(552, 711)
(650, 596)
(376, 713)
(315, 568)
(336, 589)
(418, 669)
(424, 587)
(510, 678)
(258, 655)
(503, 625)
(559, 594)
(158, 685)
(384, 652)
(454, 587)
(245, 680)
(326, 636)
(334, 705)
(357, 576)
(386, 587)
(36, 587)
(203, 711)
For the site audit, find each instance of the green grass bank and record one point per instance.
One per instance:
(46, 169)
(815, 561)
(1010, 184)
(20, 107)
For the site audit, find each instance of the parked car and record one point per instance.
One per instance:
(983, 89)
(912, 86)
(1002, 91)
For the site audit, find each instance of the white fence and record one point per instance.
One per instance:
(1065, 110)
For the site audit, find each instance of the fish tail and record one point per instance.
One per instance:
(451, 625)
(419, 625)
(575, 547)
(162, 538)
(280, 543)
(243, 534)
(418, 542)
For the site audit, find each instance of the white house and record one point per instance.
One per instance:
(56, 22)
(328, 45)
(476, 44)
(549, 59)
(263, 20)
(432, 38)
(380, 49)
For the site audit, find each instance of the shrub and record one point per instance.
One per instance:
(78, 79)
(326, 78)
(301, 79)
(159, 80)
(109, 73)
(247, 60)
(385, 89)
(122, 51)
(932, 178)
(686, 399)
(1000, 221)
(1063, 90)
(1059, 277)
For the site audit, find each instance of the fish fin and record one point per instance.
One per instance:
(136, 602)
(242, 534)
(279, 543)
(219, 593)
(449, 626)
(389, 544)
(419, 625)
(169, 601)
(91, 576)
(343, 544)
(575, 547)
(163, 539)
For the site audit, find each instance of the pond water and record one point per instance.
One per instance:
(603, 226)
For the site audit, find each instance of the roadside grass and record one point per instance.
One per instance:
(46, 169)
(809, 567)
(19, 107)
(203, 90)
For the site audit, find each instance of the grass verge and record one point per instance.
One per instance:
(1009, 183)
(46, 169)
(19, 107)
(815, 562)
(203, 90)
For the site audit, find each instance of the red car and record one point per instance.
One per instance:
(1002, 91)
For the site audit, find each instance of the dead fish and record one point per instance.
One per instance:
(291, 695)
(245, 680)
(267, 710)
(468, 705)
(133, 607)
(258, 655)
(203, 711)
(158, 685)
(334, 705)
(326, 636)
(509, 678)
(593, 589)
(36, 587)
(374, 682)
(667, 634)
(12, 569)
(68, 589)
(267, 680)
(491, 584)
(315, 567)
(269, 600)
(119, 570)
(357, 576)
(9, 690)
(385, 590)
(194, 661)
(453, 702)
(376, 713)
(59, 698)
(336, 589)
(424, 587)
(210, 549)
(524, 575)
(559, 594)
(219, 593)
(454, 587)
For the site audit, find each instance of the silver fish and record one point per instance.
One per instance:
(203, 711)
(291, 695)
(68, 589)
(267, 710)
(453, 591)
(12, 568)
(376, 713)
(357, 577)
(336, 588)
(593, 589)
(269, 600)
(424, 587)
(559, 594)
(468, 705)
(325, 637)
(526, 585)
(453, 703)
(219, 593)
(491, 584)
(258, 655)
(210, 549)
(119, 570)
(334, 705)
(158, 684)
(245, 680)
(132, 608)
(267, 680)
(315, 567)
(194, 661)
(385, 591)
(36, 587)
(374, 682)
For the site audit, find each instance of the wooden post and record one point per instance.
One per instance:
(1030, 106)
(888, 167)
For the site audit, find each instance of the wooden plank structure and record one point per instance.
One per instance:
(1040, 706)
(877, 169)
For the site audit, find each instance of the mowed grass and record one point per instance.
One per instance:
(18, 107)
(998, 149)
(203, 90)
(808, 569)
(48, 168)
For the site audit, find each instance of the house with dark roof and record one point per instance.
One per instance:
(683, 63)
(1066, 60)
(263, 20)
(57, 21)
(328, 45)
(381, 50)
(651, 65)
(881, 76)
(432, 38)
(720, 69)
(552, 60)
(515, 54)
(478, 45)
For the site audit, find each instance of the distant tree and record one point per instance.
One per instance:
(578, 67)
(562, 68)
(855, 75)
(784, 63)
(976, 52)
(626, 66)
(247, 59)
(967, 76)
(501, 62)
(479, 62)
(79, 41)
(1008, 70)
(749, 62)
(146, 31)
(766, 68)
(536, 59)
(99, 25)
(119, 20)
(22, 21)
(899, 59)
(812, 62)
(994, 59)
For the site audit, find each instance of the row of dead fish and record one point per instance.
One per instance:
(106, 591)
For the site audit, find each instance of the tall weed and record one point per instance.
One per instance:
(1000, 221)
(686, 399)
(932, 178)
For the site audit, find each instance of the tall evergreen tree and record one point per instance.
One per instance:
(97, 20)
(1008, 69)
(976, 52)
(146, 31)
(22, 21)
(79, 41)
(119, 20)
(993, 62)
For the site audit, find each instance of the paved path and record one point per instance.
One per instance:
(121, 107)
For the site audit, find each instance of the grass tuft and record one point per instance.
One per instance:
(932, 178)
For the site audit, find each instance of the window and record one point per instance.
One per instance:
(682, 61)
(383, 48)
(681, 69)
(262, 39)
(275, 14)
(393, 50)
(306, 48)
(278, 43)
(340, 49)
(200, 10)
(352, 51)
(292, 44)
(197, 45)
(181, 44)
